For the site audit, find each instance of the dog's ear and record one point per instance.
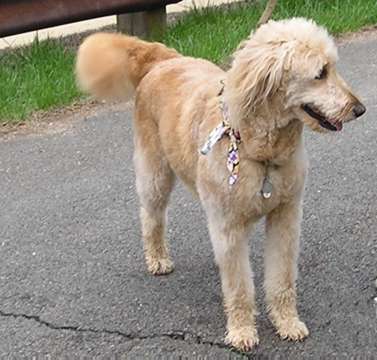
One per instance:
(255, 76)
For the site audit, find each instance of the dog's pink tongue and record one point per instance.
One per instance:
(339, 126)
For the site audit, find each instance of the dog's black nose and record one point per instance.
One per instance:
(359, 109)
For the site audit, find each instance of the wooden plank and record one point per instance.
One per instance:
(17, 16)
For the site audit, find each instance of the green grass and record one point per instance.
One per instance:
(40, 76)
(35, 77)
(214, 34)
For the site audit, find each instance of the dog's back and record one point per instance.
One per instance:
(176, 92)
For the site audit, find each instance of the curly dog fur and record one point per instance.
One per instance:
(282, 77)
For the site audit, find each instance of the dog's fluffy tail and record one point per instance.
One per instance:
(111, 66)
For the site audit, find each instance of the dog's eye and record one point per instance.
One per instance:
(322, 74)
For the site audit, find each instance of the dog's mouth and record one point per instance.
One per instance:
(322, 120)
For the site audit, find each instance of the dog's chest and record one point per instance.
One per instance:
(265, 188)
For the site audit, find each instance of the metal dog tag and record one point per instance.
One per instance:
(266, 188)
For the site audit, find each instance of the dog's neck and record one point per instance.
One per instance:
(270, 133)
(268, 137)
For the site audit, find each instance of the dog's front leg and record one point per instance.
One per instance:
(281, 252)
(232, 256)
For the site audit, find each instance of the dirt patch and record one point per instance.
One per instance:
(61, 119)
(366, 33)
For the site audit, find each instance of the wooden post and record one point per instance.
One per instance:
(267, 12)
(145, 24)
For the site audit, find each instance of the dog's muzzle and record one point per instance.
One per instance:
(322, 120)
(357, 110)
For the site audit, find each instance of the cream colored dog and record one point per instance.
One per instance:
(254, 165)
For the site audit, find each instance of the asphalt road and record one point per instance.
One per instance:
(73, 284)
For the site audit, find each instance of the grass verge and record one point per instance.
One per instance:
(40, 76)
(213, 33)
(36, 77)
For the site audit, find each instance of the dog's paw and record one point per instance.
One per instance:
(159, 266)
(292, 329)
(242, 339)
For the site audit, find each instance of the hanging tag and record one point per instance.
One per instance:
(266, 188)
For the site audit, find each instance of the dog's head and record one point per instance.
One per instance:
(290, 65)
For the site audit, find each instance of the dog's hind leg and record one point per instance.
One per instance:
(232, 257)
(154, 183)
(281, 251)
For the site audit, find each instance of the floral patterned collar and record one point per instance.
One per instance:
(233, 159)
(224, 128)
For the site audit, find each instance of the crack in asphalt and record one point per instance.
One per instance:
(173, 335)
